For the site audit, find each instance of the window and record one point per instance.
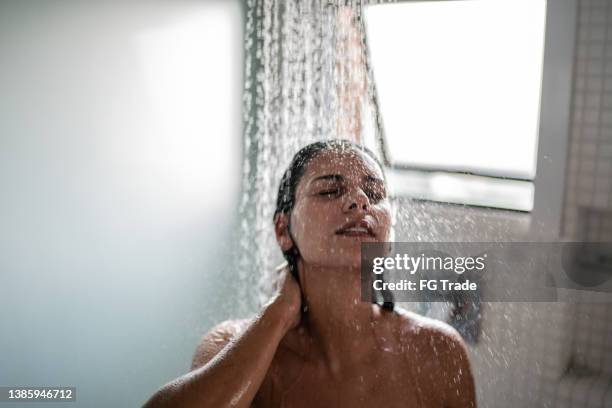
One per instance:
(458, 86)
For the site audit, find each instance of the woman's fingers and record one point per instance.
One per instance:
(288, 294)
(278, 278)
(281, 266)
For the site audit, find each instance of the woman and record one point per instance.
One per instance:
(316, 344)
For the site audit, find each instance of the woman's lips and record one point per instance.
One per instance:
(357, 228)
(356, 232)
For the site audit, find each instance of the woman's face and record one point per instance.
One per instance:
(340, 202)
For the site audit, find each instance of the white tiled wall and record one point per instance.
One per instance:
(588, 201)
(589, 174)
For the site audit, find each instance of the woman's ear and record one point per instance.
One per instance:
(281, 229)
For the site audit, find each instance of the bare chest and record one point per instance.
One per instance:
(385, 383)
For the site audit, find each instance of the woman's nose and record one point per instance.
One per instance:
(357, 201)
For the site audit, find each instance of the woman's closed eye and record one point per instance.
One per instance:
(330, 192)
(376, 192)
(375, 195)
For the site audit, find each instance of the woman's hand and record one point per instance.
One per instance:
(288, 298)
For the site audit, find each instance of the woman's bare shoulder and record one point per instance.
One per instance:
(444, 354)
(425, 328)
(215, 340)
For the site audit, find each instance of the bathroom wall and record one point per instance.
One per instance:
(587, 212)
(120, 157)
(588, 198)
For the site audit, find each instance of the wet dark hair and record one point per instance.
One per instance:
(288, 187)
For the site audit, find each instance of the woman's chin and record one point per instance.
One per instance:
(348, 259)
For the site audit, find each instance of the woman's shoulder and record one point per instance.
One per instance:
(417, 327)
(443, 354)
(215, 340)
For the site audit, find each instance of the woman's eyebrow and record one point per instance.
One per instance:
(373, 179)
(333, 177)
(340, 178)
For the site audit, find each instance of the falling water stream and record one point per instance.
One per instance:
(305, 80)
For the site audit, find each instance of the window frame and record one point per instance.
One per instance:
(554, 119)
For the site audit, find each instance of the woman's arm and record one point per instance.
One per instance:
(233, 376)
(456, 380)
(462, 392)
(216, 339)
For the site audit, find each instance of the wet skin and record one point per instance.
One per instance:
(344, 352)
(341, 352)
(417, 362)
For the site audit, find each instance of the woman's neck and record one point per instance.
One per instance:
(339, 322)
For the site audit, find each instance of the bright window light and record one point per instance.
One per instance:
(458, 83)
